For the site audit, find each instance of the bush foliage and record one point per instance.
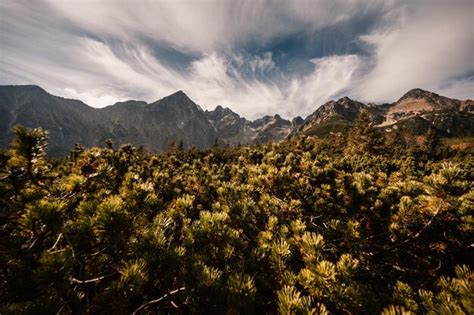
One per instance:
(358, 225)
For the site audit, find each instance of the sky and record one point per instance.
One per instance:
(255, 57)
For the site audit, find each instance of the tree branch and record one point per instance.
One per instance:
(158, 300)
(56, 243)
(74, 280)
(420, 231)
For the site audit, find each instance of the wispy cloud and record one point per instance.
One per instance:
(103, 52)
(426, 44)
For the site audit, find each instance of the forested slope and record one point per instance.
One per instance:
(359, 225)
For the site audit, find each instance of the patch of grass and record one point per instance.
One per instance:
(465, 143)
(333, 125)
(450, 141)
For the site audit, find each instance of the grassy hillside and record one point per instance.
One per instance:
(466, 143)
(331, 126)
(445, 123)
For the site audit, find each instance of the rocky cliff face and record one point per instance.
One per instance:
(229, 125)
(344, 109)
(271, 128)
(234, 129)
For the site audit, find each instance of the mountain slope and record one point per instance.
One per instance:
(414, 113)
(416, 102)
(344, 108)
(229, 125)
(68, 121)
(155, 126)
(173, 118)
(332, 117)
(177, 118)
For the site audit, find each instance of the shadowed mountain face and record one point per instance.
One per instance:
(177, 118)
(68, 121)
(154, 126)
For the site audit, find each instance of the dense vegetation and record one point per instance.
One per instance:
(362, 224)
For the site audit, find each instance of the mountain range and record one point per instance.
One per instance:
(414, 113)
(176, 118)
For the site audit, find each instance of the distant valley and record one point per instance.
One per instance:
(176, 118)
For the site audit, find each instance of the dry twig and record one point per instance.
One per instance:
(157, 300)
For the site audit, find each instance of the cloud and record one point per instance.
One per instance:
(425, 44)
(332, 75)
(217, 78)
(103, 52)
(460, 89)
(100, 72)
(209, 25)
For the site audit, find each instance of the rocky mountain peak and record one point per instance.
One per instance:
(418, 94)
(178, 93)
(344, 100)
(418, 101)
(223, 111)
(178, 97)
(220, 113)
(344, 108)
(298, 120)
(177, 101)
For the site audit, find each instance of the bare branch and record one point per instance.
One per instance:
(158, 300)
(74, 280)
(420, 231)
(56, 243)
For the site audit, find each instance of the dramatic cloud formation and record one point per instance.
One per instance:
(256, 57)
(429, 44)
